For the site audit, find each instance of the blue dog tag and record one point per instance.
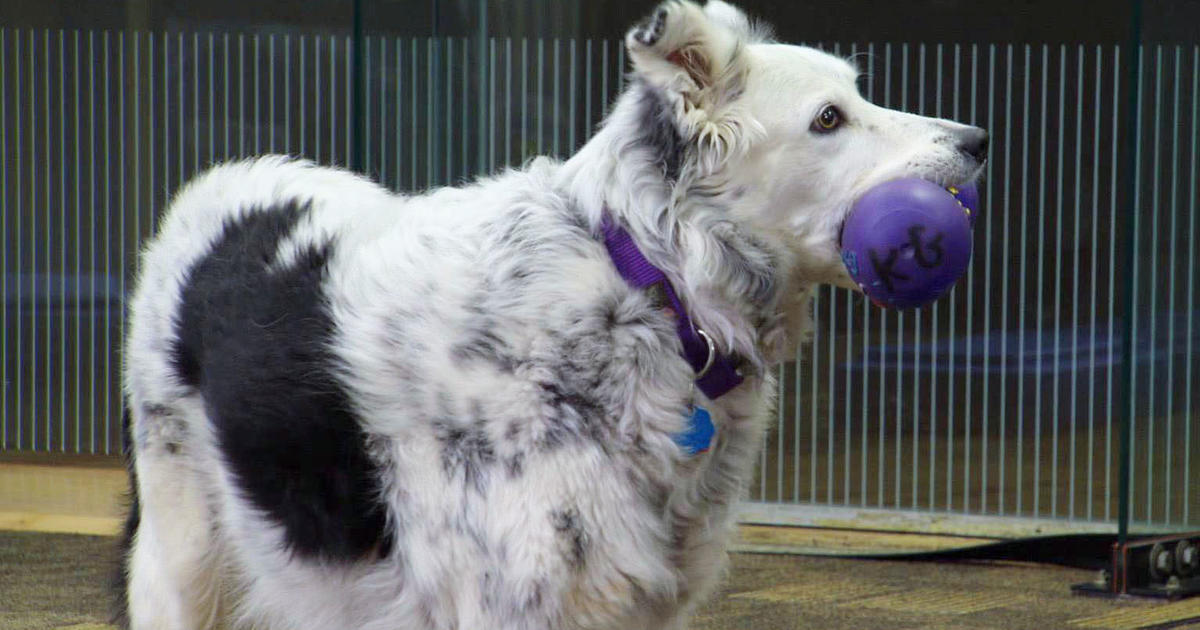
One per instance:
(698, 436)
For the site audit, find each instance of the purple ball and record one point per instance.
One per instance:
(907, 241)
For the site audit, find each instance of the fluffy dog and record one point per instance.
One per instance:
(353, 409)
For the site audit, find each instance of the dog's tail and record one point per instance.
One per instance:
(120, 574)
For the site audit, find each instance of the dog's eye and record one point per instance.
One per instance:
(828, 120)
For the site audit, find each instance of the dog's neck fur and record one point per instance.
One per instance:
(738, 285)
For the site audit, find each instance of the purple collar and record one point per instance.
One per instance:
(715, 372)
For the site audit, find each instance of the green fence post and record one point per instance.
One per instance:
(1128, 237)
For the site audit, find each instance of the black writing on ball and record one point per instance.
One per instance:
(927, 254)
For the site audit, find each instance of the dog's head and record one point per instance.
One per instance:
(781, 131)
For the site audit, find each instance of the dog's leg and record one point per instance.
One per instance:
(704, 516)
(172, 564)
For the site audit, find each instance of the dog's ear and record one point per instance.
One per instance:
(686, 49)
(693, 60)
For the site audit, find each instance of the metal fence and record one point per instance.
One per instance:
(1002, 400)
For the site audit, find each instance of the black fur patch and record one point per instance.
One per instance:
(660, 133)
(570, 529)
(253, 338)
(466, 448)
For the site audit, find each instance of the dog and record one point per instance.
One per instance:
(463, 409)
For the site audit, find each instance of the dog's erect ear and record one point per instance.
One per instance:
(693, 58)
(687, 49)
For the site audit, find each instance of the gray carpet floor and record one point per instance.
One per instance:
(55, 582)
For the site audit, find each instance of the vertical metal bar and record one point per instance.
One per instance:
(1004, 301)
(17, 228)
(357, 109)
(953, 358)
(607, 98)
(1112, 275)
(179, 79)
(849, 324)
(303, 96)
(225, 153)
(1095, 220)
(121, 223)
(287, 93)
(779, 433)
(812, 401)
(77, 233)
(1168, 440)
(449, 111)
(33, 235)
(541, 93)
(571, 100)
(916, 386)
(1041, 221)
(1191, 281)
(883, 316)
(1154, 212)
(33, 226)
(967, 420)
(829, 413)
(899, 410)
(866, 315)
(524, 98)
(1001, 460)
(933, 406)
(400, 89)
(1021, 292)
(491, 131)
(4, 236)
(1062, 107)
(196, 102)
(482, 105)
(587, 106)
(1075, 274)
(212, 104)
(430, 95)
(413, 113)
(557, 93)
(333, 120)
(508, 103)
(882, 418)
(258, 91)
(271, 92)
(796, 423)
(383, 127)
(108, 349)
(242, 94)
(95, 317)
(48, 270)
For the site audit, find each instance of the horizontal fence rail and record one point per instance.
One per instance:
(1001, 399)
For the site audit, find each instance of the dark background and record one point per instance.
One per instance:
(962, 21)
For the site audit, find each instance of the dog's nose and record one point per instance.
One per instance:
(974, 142)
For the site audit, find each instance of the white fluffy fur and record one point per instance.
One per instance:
(757, 190)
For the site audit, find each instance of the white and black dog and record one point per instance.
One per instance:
(461, 410)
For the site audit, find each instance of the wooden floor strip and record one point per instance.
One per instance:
(1143, 616)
